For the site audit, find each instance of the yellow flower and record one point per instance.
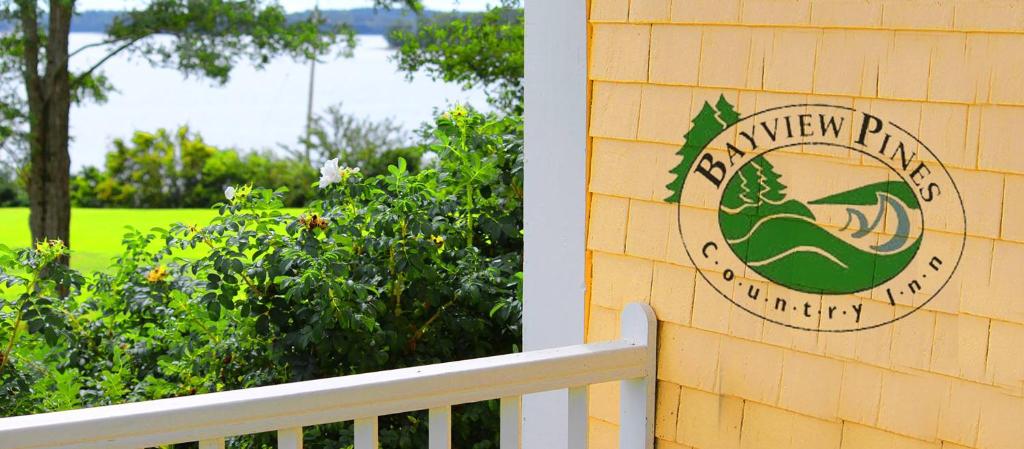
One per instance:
(438, 240)
(348, 171)
(55, 244)
(157, 274)
(313, 221)
(50, 250)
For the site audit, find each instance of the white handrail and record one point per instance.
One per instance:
(210, 417)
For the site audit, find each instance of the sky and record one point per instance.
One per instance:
(303, 5)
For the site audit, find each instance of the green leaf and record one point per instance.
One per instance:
(213, 308)
(226, 302)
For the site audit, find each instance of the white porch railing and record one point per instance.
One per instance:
(209, 418)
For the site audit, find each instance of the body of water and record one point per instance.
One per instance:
(256, 108)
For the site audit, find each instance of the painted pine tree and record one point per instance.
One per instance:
(774, 190)
(758, 184)
(726, 113)
(751, 187)
(705, 127)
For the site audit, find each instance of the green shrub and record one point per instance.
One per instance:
(12, 191)
(378, 273)
(167, 169)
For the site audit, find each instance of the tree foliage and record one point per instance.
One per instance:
(13, 110)
(473, 49)
(212, 36)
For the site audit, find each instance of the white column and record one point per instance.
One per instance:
(555, 207)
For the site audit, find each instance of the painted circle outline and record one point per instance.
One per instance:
(959, 196)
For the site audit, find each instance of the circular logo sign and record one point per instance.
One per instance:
(816, 217)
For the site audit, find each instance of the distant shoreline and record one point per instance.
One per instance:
(365, 21)
(103, 33)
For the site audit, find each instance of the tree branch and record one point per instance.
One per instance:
(423, 329)
(93, 45)
(119, 49)
(10, 344)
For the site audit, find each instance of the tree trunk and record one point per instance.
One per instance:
(49, 110)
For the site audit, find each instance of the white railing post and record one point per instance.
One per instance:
(579, 415)
(366, 434)
(215, 443)
(289, 438)
(636, 419)
(440, 423)
(511, 423)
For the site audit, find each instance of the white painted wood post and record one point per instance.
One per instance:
(216, 443)
(636, 419)
(577, 427)
(511, 423)
(289, 438)
(366, 433)
(440, 422)
(554, 204)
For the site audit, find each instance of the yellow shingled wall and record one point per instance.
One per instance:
(948, 376)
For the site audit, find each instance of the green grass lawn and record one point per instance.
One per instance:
(96, 233)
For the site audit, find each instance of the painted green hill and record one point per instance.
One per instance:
(797, 253)
(738, 224)
(868, 195)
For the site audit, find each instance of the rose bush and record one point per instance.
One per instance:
(378, 273)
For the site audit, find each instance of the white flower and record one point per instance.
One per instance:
(229, 193)
(330, 173)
